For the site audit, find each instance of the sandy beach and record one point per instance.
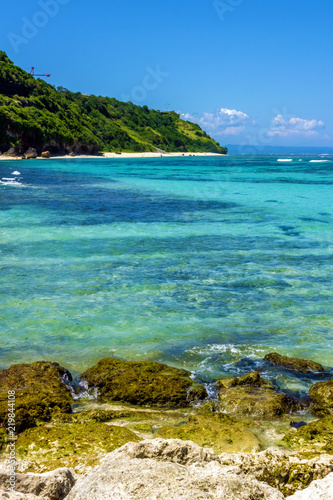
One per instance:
(116, 155)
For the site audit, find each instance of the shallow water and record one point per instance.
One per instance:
(202, 263)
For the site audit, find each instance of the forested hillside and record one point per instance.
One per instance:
(35, 114)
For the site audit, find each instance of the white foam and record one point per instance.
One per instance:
(318, 161)
(10, 182)
(15, 173)
(285, 159)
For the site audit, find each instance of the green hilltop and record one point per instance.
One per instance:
(35, 114)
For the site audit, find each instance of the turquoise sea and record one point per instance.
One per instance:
(202, 263)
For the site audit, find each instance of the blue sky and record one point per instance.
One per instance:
(249, 71)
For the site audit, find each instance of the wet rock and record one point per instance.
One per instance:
(294, 364)
(217, 431)
(39, 393)
(259, 403)
(253, 396)
(143, 383)
(252, 379)
(54, 485)
(46, 154)
(71, 445)
(321, 397)
(30, 154)
(176, 471)
(315, 437)
(321, 489)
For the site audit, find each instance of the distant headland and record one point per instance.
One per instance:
(36, 115)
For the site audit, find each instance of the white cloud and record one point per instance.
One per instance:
(295, 127)
(231, 131)
(223, 121)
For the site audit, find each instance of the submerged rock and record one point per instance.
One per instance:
(321, 397)
(251, 395)
(294, 364)
(39, 393)
(217, 431)
(143, 383)
(71, 445)
(54, 485)
(174, 470)
(321, 489)
(314, 437)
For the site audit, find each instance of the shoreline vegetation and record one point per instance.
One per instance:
(276, 441)
(36, 115)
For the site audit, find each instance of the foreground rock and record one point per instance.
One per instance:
(9, 495)
(253, 396)
(288, 472)
(143, 383)
(321, 396)
(294, 364)
(318, 490)
(164, 471)
(40, 392)
(46, 154)
(54, 485)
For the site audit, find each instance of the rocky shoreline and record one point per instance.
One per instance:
(99, 429)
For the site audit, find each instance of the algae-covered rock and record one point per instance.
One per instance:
(294, 364)
(39, 393)
(141, 428)
(71, 445)
(286, 471)
(321, 396)
(315, 437)
(252, 379)
(90, 416)
(256, 402)
(143, 383)
(251, 395)
(320, 489)
(217, 431)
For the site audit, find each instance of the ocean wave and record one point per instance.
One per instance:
(285, 159)
(318, 161)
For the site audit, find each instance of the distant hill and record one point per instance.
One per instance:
(278, 150)
(35, 114)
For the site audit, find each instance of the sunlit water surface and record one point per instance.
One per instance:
(201, 263)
